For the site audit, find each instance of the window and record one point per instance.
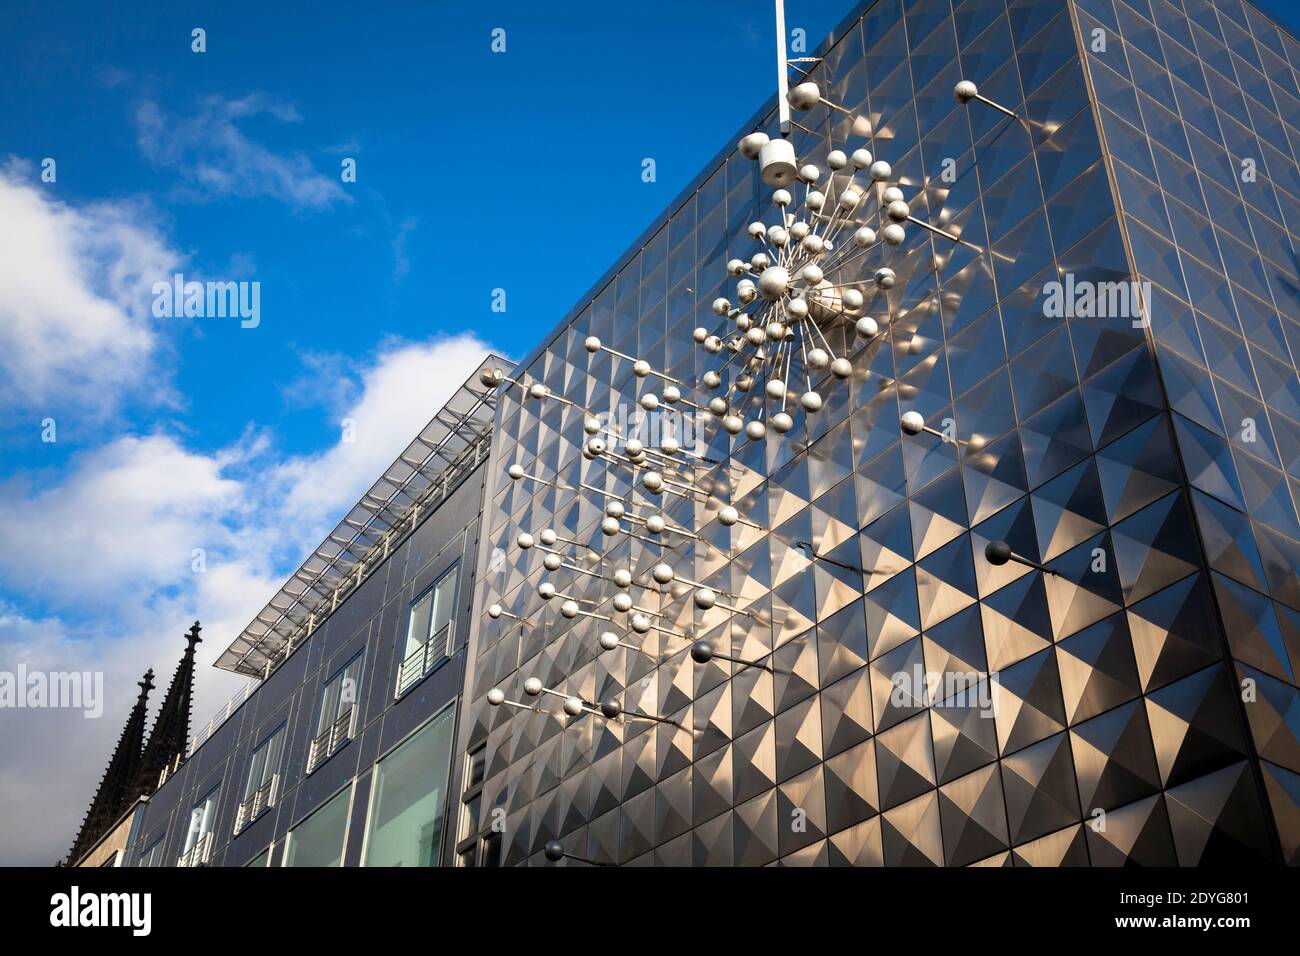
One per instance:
(409, 798)
(338, 709)
(473, 849)
(262, 859)
(319, 840)
(153, 855)
(430, 631)
(198, 837)
(263, 779)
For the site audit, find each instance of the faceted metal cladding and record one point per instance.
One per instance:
(1052, 619)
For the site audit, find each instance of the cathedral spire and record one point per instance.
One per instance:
(117, 788)
(171, 728)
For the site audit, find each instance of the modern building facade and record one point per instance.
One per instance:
(339, 751)
(1019, 588)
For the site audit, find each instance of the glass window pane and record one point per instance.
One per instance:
(406, 809)
(318, 840)
(417, 632)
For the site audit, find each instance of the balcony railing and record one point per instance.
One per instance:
(256, 803)
(199, 853)
(330, 740)
(422, 660)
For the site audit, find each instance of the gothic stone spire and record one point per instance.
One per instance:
(171, 728)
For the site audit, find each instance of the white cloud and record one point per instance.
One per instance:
(106, 554)
(218, 159)
(75, 294)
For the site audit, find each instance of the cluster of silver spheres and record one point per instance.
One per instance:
(786, 295)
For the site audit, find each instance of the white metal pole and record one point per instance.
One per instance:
(782, 71)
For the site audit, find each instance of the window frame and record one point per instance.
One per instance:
(418, 652)
(335, 736)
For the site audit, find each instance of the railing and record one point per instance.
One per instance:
(199, 853)
(259, 801)
(330, 740)
(220, 717)
(421, 660)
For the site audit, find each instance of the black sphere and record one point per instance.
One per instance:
(554, 851)
(701, 652)
(610, 709)
(997, 552)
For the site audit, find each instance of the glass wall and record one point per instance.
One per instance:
(409, 798)
(319, 840)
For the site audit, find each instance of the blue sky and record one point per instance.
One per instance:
(475, 171)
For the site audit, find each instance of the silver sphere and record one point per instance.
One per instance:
(591, 343)
(864, 237)
(965, 91)
(532, 687)
(614, 508)
(640, 623)
(728, 516)
(713, 345)
(782, 197)
(721, 306)
(525, 541)
(652, 482)
(836, 159)
(756, 335)
(893, 234)
(552, 562)
(755, 431)
(718, 405)
(573, 706)
(811, 273)
(759, 261)
(733, 424)
(711, 380)
(775, 332)
(881, 171)
(861, 158)
(640, 368)
(890, 194)
(811, 401)
(596, 446)
(538, 390)
(491, 377)
(778, 236)
(546, 590)
(885, 277)
(782, 422)
(736, 267)
(841, 368)
(818, 358)
(912, 423)
(622, 602)
(656, 524)
(494, 611)
(635, 446)
(898, 210)
(744, 381)
(622, 577)
(815, 200)
(705, 598)
(813, 244)
(757, 230)
(608, 641)
(866, 327)
(649, 401)
(672, 394)
(569, 609)
(663, 573)
(799, 230)
(852, 299)
(700, 334)
(750, 145)
(798, 307)
(548, 537)
(496, 697)
(804, 96)
(775, 389)
(850, 199)
(515, 472)
(610, 526)
(669, 445)
(774, 282)
(810, 173)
